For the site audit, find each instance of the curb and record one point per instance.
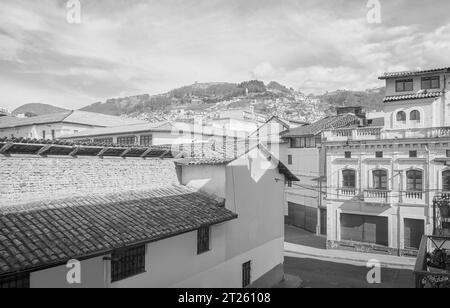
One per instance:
(347, 260)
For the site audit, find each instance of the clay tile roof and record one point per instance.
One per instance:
(51, 233)
(412, 96)
(334, 122)
(414, 73)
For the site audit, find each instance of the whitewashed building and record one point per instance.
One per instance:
(382, 180)
(100, 217)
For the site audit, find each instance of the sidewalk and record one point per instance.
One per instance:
(302, 249)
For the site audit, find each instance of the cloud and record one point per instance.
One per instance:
(136, 46)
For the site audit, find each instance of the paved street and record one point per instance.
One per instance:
(321, 270)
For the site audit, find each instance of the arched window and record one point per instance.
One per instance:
(380, 180)
(414, 180)
(446, 180)
(401, 116)
(415, 116)
(349, 178)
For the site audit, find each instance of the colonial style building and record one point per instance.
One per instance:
(54, 126)
(382, 180)
(111, 217)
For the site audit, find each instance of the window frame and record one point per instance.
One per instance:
(246, 274)
(401, 116)
(413, 154)
(413, 186)
(127, 140)
(203, 240)
(346, 173)
(17, 281)
(404, 82)
(446, 178)
(430, 79)
(415, 116)
(146, 140)
(378, 176)
(348, 155)
(106, 140)
(290, 160)
(379, 154)
(123, 259)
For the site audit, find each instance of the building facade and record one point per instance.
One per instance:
(55, 126)
(382, 180)
(304, 154)
(131, 219)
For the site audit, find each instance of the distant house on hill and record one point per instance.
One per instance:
(53, 126)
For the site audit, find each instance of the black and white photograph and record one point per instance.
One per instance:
(223, 150)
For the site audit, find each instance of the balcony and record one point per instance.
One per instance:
(377, 196)
(379, 133)
(347, 193)
(413, 197)
(432, 268)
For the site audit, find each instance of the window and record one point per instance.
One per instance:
(446, 180)
(401, 116)
(131, 140)
(414, 180)
(147, 140)
(305, 142)
(380, 179)
(246, 274)
(412, 154)
(203, 240)
(43, 134)
(415, 116)
(379, 154)
(295, 142)
(431, 83)
(289, 159)
(19, 281)
(127, 262)
(53, 134)
(404, 85)
(348, 154)
(349, 178)
(107, 141)
(289, 183)
(447, 153)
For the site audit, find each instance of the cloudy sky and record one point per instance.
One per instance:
(128, 47)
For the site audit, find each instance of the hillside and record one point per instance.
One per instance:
(200, 99)
(36, 109)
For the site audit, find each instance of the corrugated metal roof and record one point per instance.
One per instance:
(54, 232)
(75, 117)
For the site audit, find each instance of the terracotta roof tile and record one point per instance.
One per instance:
(412, 96)
(414, 73)
(334, 122)
(54, 232)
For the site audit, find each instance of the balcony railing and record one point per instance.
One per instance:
(377, 133)
(427, 275)
(376, 195)
(347, 192)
